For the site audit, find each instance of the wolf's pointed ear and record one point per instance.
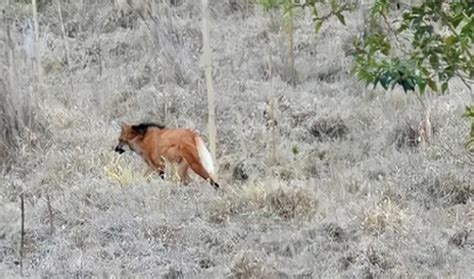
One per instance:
(139, 129)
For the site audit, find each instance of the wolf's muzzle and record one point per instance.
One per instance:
(119, 149)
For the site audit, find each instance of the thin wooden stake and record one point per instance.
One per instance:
(50, 212)
(66, 45)
(22, 238)
(37, 59)
(207, 65)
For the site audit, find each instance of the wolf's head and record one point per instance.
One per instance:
(130, 133)
(127, 134)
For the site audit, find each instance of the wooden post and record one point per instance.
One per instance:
(22, 236)
(206, 63)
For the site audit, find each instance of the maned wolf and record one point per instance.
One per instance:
(157, 144)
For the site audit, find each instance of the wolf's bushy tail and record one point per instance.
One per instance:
(205, 158)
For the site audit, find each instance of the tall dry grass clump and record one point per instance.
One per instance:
(21, 123)
(322, 179)
(170, 42)
(247, 265)
(266, 199)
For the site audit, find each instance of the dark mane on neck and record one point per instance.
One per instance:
(142, 128)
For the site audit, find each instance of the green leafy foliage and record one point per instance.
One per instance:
(440, 37)
(286, 6)
(380, 7)
(470, 114)
(270, 4)
(337, 8)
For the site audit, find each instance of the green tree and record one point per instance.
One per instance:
(431, 46)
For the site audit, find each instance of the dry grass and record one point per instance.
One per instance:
(267, 200)
(349, 194)
(246, 266)
(384, 216)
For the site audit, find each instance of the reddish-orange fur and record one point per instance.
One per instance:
(156, 143)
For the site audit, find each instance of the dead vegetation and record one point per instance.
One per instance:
(247, 266)
(329, 128)
(265, 199)
(22, 125)
(383, 216)
(343, 187)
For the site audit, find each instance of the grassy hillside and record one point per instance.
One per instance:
(352, 193)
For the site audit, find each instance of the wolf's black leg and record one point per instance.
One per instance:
(161, 173)
(215, 185)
